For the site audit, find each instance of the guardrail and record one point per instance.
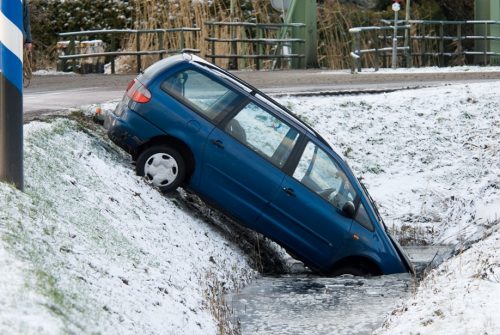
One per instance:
(113, 53)
(424, 41)
(256, 36)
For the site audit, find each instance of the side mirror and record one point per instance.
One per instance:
(348, 209)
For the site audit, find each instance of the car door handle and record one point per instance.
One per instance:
(289, 191)
(218, 143)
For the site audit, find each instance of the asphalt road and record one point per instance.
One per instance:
(56, 93)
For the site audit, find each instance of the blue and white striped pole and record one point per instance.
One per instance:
(11, 92)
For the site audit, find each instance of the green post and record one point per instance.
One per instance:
(487, 10)
(495, 31)
(304, 11)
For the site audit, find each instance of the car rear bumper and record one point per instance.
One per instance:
(123, 130)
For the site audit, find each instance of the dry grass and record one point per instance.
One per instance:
(218, 307)
(335, 18)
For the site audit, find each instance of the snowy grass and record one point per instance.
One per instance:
(91, 248)
(460, 297)
(428, 69)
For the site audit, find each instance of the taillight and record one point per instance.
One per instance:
(137, 92)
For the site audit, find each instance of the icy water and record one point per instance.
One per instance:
(302, 303)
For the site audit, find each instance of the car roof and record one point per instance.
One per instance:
(159, 67)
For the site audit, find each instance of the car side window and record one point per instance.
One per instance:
(207, 95)
(263, 133)
(320, 173)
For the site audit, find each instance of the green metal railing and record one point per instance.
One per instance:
(427, 43)
(113, 34)
(251, 41)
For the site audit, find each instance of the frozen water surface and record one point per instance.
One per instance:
(305, 304)
(302, 303)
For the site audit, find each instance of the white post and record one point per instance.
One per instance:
(395, 7)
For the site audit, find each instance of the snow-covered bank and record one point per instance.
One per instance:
(462, 296)
(90, 248)
(429, 69)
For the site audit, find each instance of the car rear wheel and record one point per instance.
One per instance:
(351, 270)
(356, 268)
(162, 166)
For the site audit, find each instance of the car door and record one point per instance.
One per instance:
(306, 212)
(243, 160)
(194, 103)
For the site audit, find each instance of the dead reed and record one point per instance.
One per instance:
(335, 18)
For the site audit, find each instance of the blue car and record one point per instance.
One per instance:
(187, 122)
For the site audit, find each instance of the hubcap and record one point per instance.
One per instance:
(161, 169)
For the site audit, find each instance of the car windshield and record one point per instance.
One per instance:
(318, 171)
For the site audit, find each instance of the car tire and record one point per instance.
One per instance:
(350, 270)
(361, 269)
(162, 166)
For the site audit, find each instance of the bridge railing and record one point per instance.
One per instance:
(252, 41)
(72, 53)
(426, 43)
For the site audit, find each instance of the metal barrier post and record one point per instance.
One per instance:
(260, 49)
(72, 51)
(160, 44)
(459, 40)
(183, 44)
(424, 60)
(409, 59)
(11, 92)
(212, 30)
(357, 48)
(377, 54)
(138, 49)
(441, 45)
(113, 48)
(485, 43)
(233, 63)
(395, 7)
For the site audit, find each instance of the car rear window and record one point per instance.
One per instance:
(206, 95)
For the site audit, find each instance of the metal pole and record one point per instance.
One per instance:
(138, 49)
(407, 35)
(11, 92)
(395, 42)
(233, 61)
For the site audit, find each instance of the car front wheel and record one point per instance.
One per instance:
(162, 166)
